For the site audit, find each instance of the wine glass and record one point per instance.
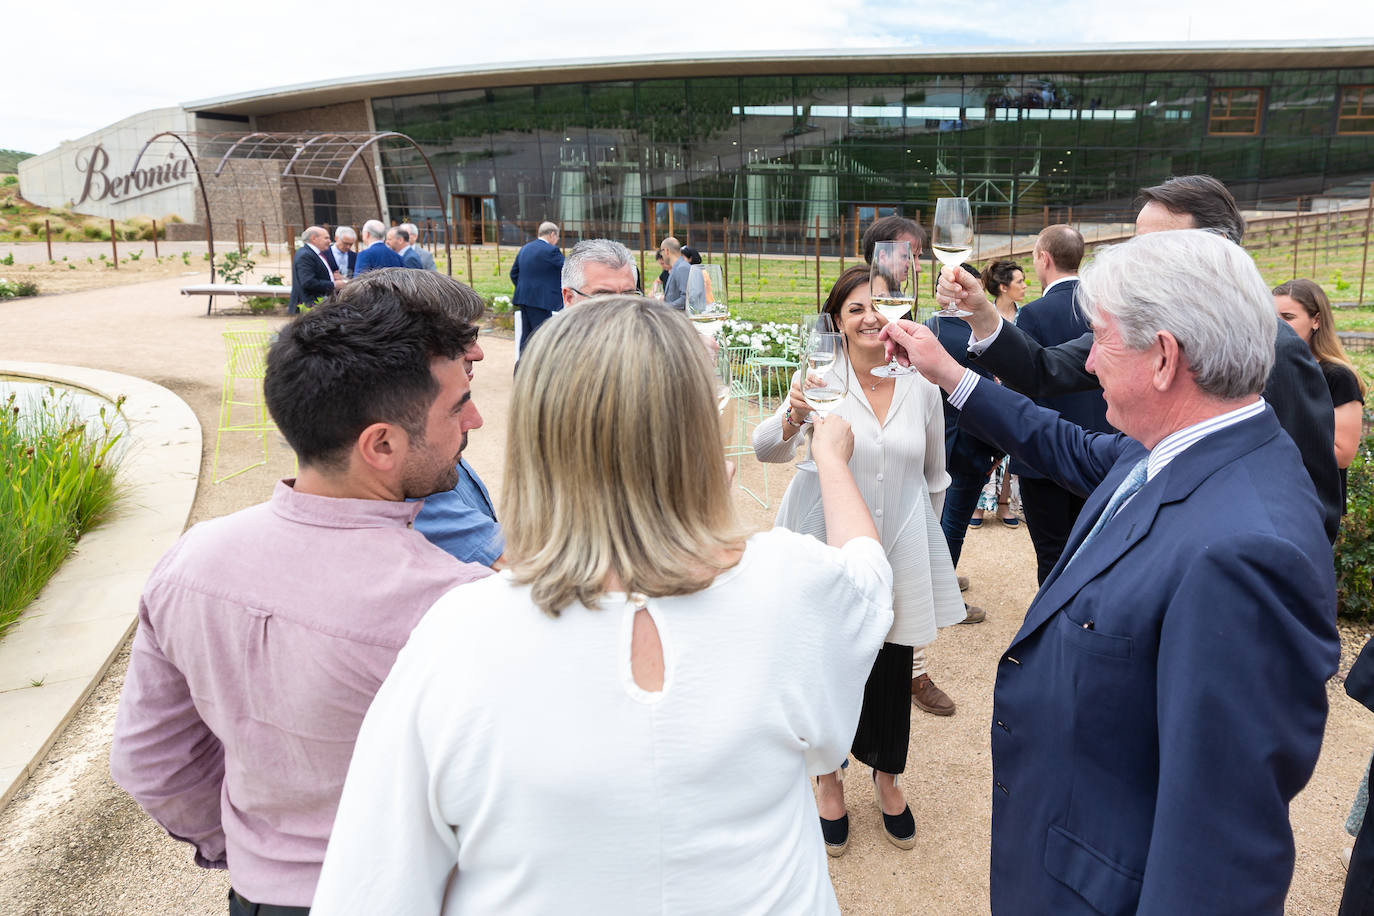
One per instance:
(706, 298)
(892, 284)
(952, 240)
(825, 379)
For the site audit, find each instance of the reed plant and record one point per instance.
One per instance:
(58, 483)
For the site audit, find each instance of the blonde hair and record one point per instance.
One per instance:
(614, 464)
(1325, 343)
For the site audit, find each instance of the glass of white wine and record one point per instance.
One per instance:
(706, 306)
(892, 284)
(952, 240)
(825, 377)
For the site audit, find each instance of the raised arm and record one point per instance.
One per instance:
(846, 514)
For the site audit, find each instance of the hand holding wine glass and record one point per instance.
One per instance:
(823, 377)
(952, 241)
(892, 285)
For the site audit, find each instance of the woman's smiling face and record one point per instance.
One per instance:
(860, 321)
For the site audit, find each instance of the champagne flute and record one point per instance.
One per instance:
(706, 306)
(952, 240)
(825, 379)
(892, 284)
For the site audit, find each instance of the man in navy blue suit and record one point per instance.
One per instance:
(1052, 319)
(1164, 700)
(376, 253)
(311, 278)
(537, 275)
(340, 256)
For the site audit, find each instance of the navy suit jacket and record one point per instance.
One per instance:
(1050, 320)
(965, 453)
(538, 277)
(412, 260)
(310, 279)
(1165, 697)
(1296, 389)
(352, 259)
(377, 255)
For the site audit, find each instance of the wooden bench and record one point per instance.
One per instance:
(237, 290)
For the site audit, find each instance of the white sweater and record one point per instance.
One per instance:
(517, 748)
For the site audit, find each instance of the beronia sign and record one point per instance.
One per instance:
(92, 163)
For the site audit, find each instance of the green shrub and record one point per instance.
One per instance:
(96, 230)
(14, 289)
(1355, 546)
(35, 226)
(8, 259)
(11, 180)
(234, 266)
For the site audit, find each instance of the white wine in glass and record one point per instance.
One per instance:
(952, 240)
(892, 285)
(825, 377)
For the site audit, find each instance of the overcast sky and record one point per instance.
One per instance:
(73, 66)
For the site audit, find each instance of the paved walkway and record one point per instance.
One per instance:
(71, 842)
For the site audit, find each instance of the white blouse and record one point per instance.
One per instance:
(899, 465)
(510, 764)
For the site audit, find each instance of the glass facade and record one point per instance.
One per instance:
(779, 159)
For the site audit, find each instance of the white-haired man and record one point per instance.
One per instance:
(536, 274)
(340, 256)
(376, 253)
(598, 267)
(426, 259)
(1165, 697)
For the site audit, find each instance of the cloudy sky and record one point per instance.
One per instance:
(74, 65)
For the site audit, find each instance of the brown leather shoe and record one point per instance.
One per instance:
(974, 614)
(963, 583)
(932, 699)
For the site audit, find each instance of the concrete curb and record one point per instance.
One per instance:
(73, 630)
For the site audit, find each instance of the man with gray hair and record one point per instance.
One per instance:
(536, 273)
(340, 256)
(311, 278)
(375, 254)
(1165, 697)
(426, 259)
(598, 267)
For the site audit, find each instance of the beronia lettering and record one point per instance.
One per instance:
(99, 186)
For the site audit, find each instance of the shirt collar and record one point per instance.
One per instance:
(333, 512)
(1057, 282)
(1175, 444)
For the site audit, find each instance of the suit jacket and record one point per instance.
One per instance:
(538, 277)
(965, 453)
(351, 260)
(1052, 319)
(377, 255)
(1165, 697)
(310, 278)
(1296, 389)
(411, 259)
(426, 259)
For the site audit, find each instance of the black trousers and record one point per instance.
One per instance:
(242, 906)
(1050, 513)
(885, 719)
(1358, 898)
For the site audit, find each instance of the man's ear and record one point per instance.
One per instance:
(382, 446)
(1168, 363)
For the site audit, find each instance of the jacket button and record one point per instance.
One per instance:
(1003, 726)
(1004, 789)
(1012, 659)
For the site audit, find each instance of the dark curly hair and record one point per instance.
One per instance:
(998, 275)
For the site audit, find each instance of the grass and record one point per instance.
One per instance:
(22, 221)
(58, 483)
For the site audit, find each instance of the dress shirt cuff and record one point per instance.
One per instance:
(976, 347)
(959, 396)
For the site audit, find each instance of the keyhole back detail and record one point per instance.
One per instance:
(646, 649)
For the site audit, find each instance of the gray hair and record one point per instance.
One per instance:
(312, 231)
(597, 251)
(374, 228)
(412, 230)
(547, 228)
(345, 232)
(1204, 290)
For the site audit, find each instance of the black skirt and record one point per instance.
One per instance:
(885, 720)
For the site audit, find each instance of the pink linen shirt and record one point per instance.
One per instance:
(262, 638)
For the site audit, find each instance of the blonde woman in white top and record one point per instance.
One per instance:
(899, 465)
(625, 719)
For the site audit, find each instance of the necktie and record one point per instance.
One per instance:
(1128, 488)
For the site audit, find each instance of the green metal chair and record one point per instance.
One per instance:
(242, 408)
(746, 396)
(776, 374)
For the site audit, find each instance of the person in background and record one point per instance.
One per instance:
(616, 634)
(1005, 283)
(376, 252)
(661, 283)
(263, 635)
(675, 290)
(426, 259)
(340, 256)
(535, 273)
(311, 278)
(597, 267)
(1303, 304)
(899, 462)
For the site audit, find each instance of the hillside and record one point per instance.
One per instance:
(9, 160)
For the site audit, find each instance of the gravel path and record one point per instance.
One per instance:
(73, 843)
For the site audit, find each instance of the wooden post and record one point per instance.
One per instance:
(1364, 261)
(469, 246)
(47, 233)
(641, 254)
(1297, 233)
(725, 255)
(1045, 216)
(842, 234)
(741, 262)
(708, 243)
(291, 239)
(114, 244)
(858, 253)
(155, 253)
(1316, 244)
(758, 260)
(818, 262)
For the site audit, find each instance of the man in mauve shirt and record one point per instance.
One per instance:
(264, 635)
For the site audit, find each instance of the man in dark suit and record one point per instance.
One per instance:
(537, 275)
(403, 246)
(311, 278)
(1165, 697)
(1052, 319)
(340, 256)
(375, 254)
(1295, 389)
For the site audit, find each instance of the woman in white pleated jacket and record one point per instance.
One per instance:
(899, 464)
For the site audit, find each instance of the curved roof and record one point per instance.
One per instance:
(1274, 55)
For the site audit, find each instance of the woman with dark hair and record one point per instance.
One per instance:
(899, 464)
(1005, 283)
(1303, 304)
(637, 625)
(662, 280)
(691, 254)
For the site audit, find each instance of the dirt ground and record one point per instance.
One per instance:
(79, 266)
(73, 843)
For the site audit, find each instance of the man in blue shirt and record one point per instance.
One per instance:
(675, 292)
(375, 253)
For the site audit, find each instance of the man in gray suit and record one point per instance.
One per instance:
(426, 259)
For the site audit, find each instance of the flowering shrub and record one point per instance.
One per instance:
(770, 338)
(11, 289)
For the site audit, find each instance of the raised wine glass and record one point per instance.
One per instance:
(952, 240)
(825, 377)
(892, 284)
(706, 306)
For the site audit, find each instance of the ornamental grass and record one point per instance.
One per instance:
(58, 483)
